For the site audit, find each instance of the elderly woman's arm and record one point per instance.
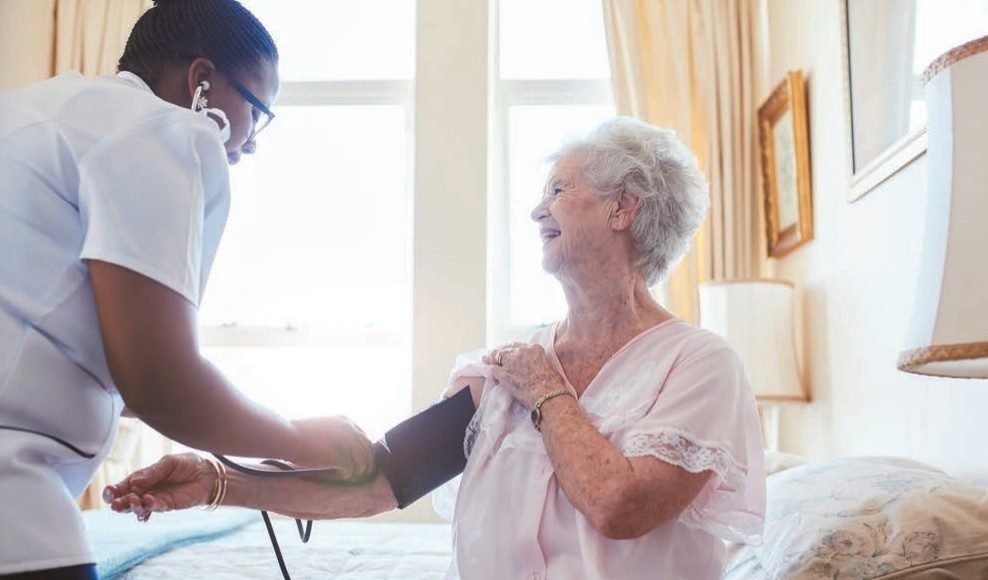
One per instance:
(624, 497)
(309, 500)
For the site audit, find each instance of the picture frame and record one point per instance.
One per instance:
(784, 145)
(864, 175)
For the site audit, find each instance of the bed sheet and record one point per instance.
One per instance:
(341, 549)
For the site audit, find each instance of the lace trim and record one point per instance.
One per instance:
(473, 429)
(689, 452)
(695, 455)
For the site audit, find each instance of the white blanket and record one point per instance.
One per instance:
(369, 550)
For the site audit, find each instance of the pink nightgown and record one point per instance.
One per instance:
(674, 392)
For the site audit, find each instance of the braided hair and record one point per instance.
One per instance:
(173, 31)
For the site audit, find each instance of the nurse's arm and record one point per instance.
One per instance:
(150, 337)
(178, 482)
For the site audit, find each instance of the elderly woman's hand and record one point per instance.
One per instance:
(526, 370)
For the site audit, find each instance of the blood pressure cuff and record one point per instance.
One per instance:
(423, 452)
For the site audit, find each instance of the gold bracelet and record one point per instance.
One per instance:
(217, 486)
(224, 483)
(537, 408)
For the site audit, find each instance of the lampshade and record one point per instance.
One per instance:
(948, 331)
(756, 317)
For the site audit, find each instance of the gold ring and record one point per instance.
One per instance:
(498, 357)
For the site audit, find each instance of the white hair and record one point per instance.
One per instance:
(651, 163)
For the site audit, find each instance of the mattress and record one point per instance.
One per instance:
(341, 549)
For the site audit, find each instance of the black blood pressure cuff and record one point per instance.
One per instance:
(423, 452)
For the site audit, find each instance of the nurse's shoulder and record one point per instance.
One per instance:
(89, 111)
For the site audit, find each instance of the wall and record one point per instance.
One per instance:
(856, 281)
(449, 295)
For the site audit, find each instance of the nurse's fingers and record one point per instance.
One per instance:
(119, 489)
(153, 503)
(364, 458)
(128, 485)
(129, 503)
(119, 504)
(362, 453)
(153, 474)
(110, 493)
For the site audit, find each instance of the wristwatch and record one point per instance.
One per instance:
(537, 408)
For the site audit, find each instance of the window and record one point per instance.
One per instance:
(552, 86)
(308, 308)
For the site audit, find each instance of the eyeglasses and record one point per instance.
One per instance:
(264, 114)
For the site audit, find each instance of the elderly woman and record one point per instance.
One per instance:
(620, 443)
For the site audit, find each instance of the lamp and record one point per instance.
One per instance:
(756, 317)
(948, 332)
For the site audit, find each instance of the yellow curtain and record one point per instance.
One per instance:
(695, 66)
(41, 38)
(90, 34)
(27, 31)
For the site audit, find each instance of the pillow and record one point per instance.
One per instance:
(776, 461)
(868, 518)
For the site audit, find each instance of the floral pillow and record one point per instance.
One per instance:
(868, 518)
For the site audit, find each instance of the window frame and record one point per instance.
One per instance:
(505, 94)
(321, 94)
(502, 94)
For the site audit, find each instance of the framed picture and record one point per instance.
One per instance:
(783, 130)
(883, 94)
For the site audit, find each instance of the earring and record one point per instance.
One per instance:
(199, 101)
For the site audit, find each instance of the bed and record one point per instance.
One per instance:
(233, 543)
(849, 518)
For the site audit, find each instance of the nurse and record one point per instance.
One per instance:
(114, 192)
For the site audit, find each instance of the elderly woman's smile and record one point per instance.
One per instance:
(548, 234)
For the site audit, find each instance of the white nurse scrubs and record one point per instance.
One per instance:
(90, 169)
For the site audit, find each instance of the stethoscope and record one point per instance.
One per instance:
(304, 531)
(320, 475)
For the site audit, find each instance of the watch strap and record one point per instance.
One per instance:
(537, 408)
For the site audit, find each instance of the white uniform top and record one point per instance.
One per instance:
(90, 169)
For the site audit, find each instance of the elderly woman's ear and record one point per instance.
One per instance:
(625, 210)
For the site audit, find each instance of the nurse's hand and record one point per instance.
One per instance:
(175, 482)
(334, 442)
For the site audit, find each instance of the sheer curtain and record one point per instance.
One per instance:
(695, 66)
(41, 38)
